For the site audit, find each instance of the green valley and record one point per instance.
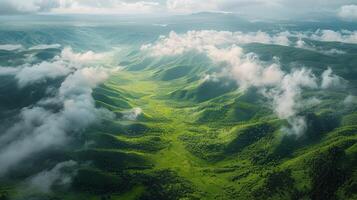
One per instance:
(201, 106)
(190, 159)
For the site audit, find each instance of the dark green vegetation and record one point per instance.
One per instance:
(198, 139)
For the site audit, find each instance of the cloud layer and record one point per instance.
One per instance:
(39, 127)
(77, 6)
(282, 89)
(10, 47)
(333, 36)
(63, 64)
(132, 114)
(58, 175)
(175, 44)
(281, 9)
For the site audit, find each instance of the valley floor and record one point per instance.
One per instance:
(176, 121)
(204, 163)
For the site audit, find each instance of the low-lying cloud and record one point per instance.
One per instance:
(8, 71)
(14, 47)
(350, 100)
(132, 114)
(45, 46)
(200, 40)
(344, 36)
(301, 44)
(330, 80)
(253, 9)
(39, 127)
(8, 7)
(65, 63)
(58, 175)
(282, 89)
(10, 47)
(175, 44)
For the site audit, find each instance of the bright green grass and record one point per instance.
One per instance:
(211, 180)
(175, 156)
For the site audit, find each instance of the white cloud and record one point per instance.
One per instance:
(256, 9)
(81, 59)
(238, 6)
(301, 44)
(44, 180)
(106, 7)
(47, 128)
(335, 36)
(25, 7)
(200, 40)
(344, 36)
(16, 47)
(246, 69)
(282, 89)
(132, 114)
(298, 126)
(348, 12)
(263, 9)
(62, 65)
(40, 72)
(283, 38)
(10, 47)
(286, 96)
(45, 46)
(287, 101)
(189, 6)
(330, 80)
(350, 100)
(8, 71)
(210, 78)
(77, 6)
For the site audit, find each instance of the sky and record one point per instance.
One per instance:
(279, 9)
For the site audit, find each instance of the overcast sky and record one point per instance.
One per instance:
(281, 9)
